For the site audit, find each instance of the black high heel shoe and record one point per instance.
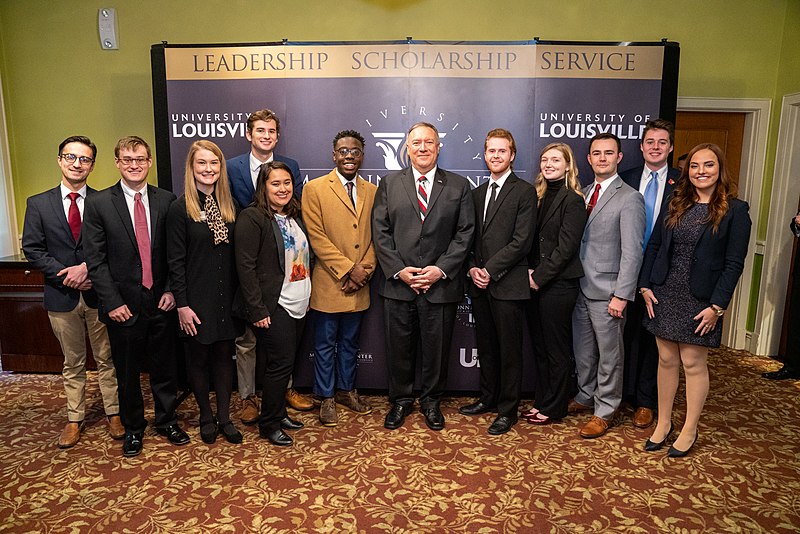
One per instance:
(677, 453)
(651, 446)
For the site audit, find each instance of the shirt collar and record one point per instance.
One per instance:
(429, 175)
(130, 192)
(500, 181)
(255, 163)
(65, 191)
(345, 180)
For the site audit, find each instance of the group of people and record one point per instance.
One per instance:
(619, 282)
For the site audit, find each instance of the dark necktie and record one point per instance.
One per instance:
(142, 240)
(422, 197)
(593, 200)
(349, 185)
(490, 205)
(74, 215)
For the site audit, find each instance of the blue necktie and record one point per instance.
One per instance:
(650, 197)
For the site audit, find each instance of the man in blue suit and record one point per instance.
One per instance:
(655, 180)
(52, 242)
(263, 132)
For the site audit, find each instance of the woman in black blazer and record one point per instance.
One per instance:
(554, 271)
(692, 265)
(203, 279)
(273, 258)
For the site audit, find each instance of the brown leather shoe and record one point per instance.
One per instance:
(70, 435)
(327, 412)
(643, 417)
(576, 407)
(596, 427)
(297, 401)
(250, 410)
(352, 401)
(115, 428)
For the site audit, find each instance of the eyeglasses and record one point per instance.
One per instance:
(355, 152)
(127, 162)
(70, 158)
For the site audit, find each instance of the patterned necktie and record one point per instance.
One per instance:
(593, 200)
(349, 185)
(422, 197)
(490, 205)
(142, 240)
(650, 197)
(214, 221)
(74, 215)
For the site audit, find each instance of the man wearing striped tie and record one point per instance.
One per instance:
(422, 226)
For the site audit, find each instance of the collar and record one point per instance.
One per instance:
(255, 163)
(500, 181)
(429, 175)
(130, 192)
(345, 180)
(65, 191)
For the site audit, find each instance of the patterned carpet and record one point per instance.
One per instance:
(742, 476)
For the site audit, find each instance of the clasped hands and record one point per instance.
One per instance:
(420, 279)
(357, 278)
(76, 277)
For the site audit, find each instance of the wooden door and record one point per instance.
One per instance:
(723, 129)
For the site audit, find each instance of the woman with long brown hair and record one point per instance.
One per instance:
(692, 265)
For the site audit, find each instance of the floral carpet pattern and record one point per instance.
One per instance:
(742, 476)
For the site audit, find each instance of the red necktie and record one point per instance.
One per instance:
(422, 198)
(593, 200)
(74, 215)
(143, 240)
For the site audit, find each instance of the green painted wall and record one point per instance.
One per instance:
(57, 81)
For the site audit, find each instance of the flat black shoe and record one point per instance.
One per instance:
(174, 434)
(277, 437)
(433, 417)
(230, 432)
(677, 453)
(396, 416)
(476, 408)
(132, 445)
(209, 431)
(287, 423)
(501, 425)
(651, 446)
(784, 373)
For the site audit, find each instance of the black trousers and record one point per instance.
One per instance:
(151, 340)
(422, 330)
(792, 357)
(498, 325)
(550, 322)
(640, 378)
(276, 346)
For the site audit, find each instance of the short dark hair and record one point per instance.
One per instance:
(263, 115)
(82, 139)
(660, 124)
(605, 135)
(260, 200)
(348, 133)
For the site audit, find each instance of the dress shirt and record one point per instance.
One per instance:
(67, 202)
(344, 184)
(500, 181)
(662, 184)
(129, 193)
(255, 167)
(603, 186)
(429, 175)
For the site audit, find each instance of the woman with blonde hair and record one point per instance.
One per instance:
(554, 271)
(200, 229)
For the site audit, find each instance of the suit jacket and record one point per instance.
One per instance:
(718, 257)
(503, 240)
(554, 255)
(112, 254)
(260, 263)
(49, 246)
(242, 184)
(401, 239)
(611, 247)
(341, 236)
(633, 177)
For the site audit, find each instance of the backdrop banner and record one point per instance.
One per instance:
(541, 92)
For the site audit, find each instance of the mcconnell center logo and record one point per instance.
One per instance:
(464, 313)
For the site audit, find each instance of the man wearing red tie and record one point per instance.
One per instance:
(52, 243)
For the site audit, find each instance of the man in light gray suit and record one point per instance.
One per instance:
(611, 255)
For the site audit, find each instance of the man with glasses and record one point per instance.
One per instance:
(125, 240)
(53, 243)
(337, 209)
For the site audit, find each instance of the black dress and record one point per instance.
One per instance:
(677, 307)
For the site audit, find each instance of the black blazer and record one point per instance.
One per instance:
(112, 254)
(260, 262)
(633, 177)
(557, 243)
(49, 246)
(718, 257)
(401, 239)
(503, 242)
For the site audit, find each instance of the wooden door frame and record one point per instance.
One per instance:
(9, 237)
(751, 181)
(778, 246)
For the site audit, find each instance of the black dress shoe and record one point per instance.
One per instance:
(651, 446)
(476, 408)
(396, 416)
(287, 423)
(277, 437)
(132, 445)
(433, 417)
(209, 431)
(174, 434)
(784, 373)
(677, 453)
(230, 432)
(501, 425)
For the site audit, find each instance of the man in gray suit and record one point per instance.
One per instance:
(611, 255)
(422, 225)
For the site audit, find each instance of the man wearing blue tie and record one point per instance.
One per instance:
(655, 180)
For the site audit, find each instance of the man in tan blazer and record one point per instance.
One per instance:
(337, 211)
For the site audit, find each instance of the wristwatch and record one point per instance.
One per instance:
(719, 312)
